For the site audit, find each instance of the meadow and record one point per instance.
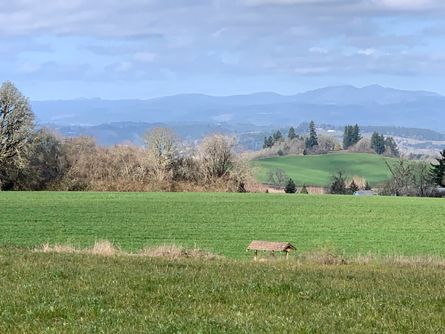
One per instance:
(224, 223)
(317, 170)
(70, 293)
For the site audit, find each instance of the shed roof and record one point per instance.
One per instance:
(270, 246)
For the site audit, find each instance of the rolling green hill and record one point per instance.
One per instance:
(317, 170)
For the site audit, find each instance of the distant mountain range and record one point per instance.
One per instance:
(371, 105)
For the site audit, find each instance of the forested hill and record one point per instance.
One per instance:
(372, 105)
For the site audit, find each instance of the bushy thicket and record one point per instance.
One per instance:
(79, 164)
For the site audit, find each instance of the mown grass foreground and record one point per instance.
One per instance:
(317, 170)
(72, 293)
(225, 223)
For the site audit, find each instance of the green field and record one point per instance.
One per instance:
(60, 293)
(317, 170)
(225, 223)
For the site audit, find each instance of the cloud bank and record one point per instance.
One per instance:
(237, 45)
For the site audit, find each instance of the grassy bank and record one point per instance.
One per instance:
(73, 293)
(225, 223)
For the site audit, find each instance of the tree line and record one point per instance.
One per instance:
(37, 159)
(313, 143)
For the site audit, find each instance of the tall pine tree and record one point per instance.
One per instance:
(277, 136)
(438, 170)
(347, 137)
(378, 143)
(312, 141)
(356, 136)
(351, 136)
(391, 146)
(291, 134)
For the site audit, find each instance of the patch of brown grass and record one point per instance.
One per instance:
(47, 248)
(324, 256)
(398, 260)
(106, 248)
(176, 252)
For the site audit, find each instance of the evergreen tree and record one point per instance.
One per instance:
(347, 137)
(304, 190)
(338, 185)
(391, 146)
(367, 186)
(312, 141)
(266, 143)
(438, 170)
(356, 136)
(351, 136)
(277, 136)
(353, 187)
(291, 134)
(290, 188)
(378, 143)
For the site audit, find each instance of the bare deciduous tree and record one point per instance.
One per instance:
(47, 162)
(161, 144)
(16, 125)
(409, 179)
(216, 156)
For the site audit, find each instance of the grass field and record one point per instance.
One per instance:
(225, 223)
(60, 293)
(317, 170)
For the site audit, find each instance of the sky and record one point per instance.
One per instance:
(116, 49)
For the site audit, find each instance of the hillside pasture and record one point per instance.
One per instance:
(224, 223)
(317, 170)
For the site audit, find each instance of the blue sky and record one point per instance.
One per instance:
(146, 48)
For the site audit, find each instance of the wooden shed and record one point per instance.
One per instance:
(270, 246)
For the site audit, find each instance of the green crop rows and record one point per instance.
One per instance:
(225, 223)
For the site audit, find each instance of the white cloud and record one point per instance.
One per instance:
(311, 70)
(124, 66)
(317, 49)
(287, 2)
(367, 52)
(28, 67)
(145, 57)
(409, 4)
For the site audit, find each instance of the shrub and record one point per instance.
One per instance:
(338, 185)
(353, 187)
(290, 187)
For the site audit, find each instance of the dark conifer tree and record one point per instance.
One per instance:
(353, 187)
(291, 134)
(438, 170)
(290, 188)
(338, 185)
(277, 136)
(367, 186)
(378, 143)
(391, 146)
(347, 137)
(351, 136)
(356, 136)
(312, 141)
